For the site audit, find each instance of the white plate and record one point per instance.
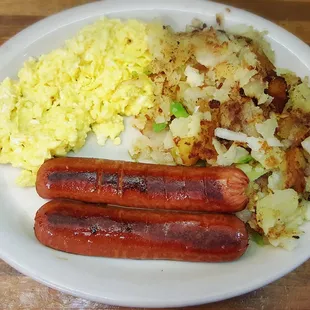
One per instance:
(125, 282)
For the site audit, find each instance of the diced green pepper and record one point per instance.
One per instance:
(245, 159)
(158, 127)
(134, 74)
(257, 238)
(147, 72)
(178, 110)
(253, 173)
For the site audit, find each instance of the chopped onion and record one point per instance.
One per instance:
(220, 149)
(276, 181)
(254, 143)
(274, 142)
(267, 130)
(226, 134)
(306, 144)
(244, 215)
(233, 155)
(208, 58)
(194, 78)
(168, 141)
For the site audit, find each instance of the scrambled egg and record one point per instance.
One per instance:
(90, 84)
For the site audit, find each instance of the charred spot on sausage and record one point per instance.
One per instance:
(62, 219)
(72, 175)
(94, 229)
(134, 182)
(213, 190)
(128, 228)
(110, 179)
(155, 185)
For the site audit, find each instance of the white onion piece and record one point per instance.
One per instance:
(306, 144)
(227, 134)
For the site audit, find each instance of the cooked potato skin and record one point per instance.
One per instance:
(185, 151)
(295, 175)
(277, 88)
(294, 126)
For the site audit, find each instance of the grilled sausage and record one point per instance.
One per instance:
(87, 229)
(214, 189)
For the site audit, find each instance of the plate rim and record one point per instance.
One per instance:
(150, 304)
(7, 48)
(17, 40)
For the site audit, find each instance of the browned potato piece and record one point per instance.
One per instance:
(203, 147)
(240, 115)
(183, 151)
(294, 127)
(277, 88)
(296, 164)
(230, 115)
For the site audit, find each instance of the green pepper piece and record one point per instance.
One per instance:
(134, 74)
(257, 238)
(158, 127)
(147, 72)
(178, 110)
(253, 173)
(246, 159)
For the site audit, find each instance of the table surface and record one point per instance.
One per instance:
(20, 292)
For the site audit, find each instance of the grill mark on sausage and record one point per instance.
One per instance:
(110, 179)
(174, 185)
(134, 182)
(200, 195)
(213, 189)
(155, 185)
(175, 189)
(120, 180)
(195, 189)
(72, 176)
(64, 219)
(186, 233)
(202, 238)
(94, 229)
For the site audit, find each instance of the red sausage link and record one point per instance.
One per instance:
(86, 229)
(213, 189)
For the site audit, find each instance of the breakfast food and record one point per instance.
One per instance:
(206, 96)
(86, 229)
(90, 84)
(213, 189)
(219, 98)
